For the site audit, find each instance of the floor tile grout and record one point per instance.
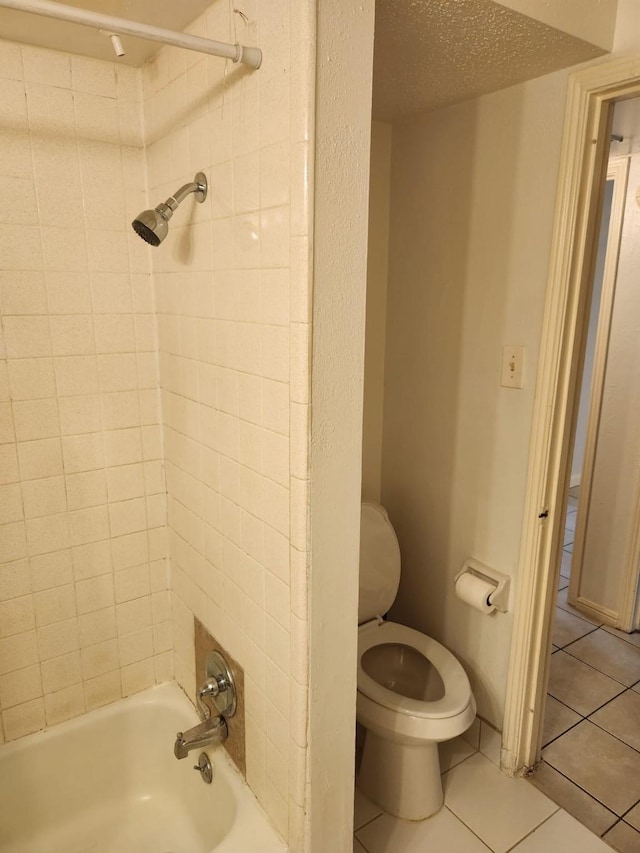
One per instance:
(366, 849)
(536, 828)
(565, 732)
(591, 666)
(630, 810)
(460, 763)
(451, 811)
(613, 699)
(565, 704)
(566, 646)
(608, 629)
(595, 709)
(593, 722)
(617, 818)
(367, 822)
(584, 791)
(460, 820)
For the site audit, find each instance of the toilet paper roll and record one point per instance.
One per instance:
(475, 592)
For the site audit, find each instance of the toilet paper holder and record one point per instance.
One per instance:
(499, 598)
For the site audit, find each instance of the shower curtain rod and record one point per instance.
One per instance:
(251, 56)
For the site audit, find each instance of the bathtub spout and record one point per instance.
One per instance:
(212, 731)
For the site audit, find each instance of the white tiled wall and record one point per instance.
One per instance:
(232, 298)
(85, 614)
(84, 610)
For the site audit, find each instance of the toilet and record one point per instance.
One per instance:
(412, 692)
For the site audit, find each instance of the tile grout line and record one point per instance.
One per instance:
(586, 634)
(565, 732)
(444, 806)
(622, 817)
(567, 706)
(584, 791)
(612, 677)
(595, 669)
(595, 709)
(611, 734)
(628, 825)
(569, 608)
(473, 832)
(586, 720)
(608, 629)
(593, 722)
(537, 827)
(367, 822)
(366, 849)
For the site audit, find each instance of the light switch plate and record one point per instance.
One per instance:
(512, 367)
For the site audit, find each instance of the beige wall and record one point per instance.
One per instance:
(627, 33)
(341, 191)
(591, 21)
(474, 188)
(377, 271)
(231, 284)
(473, 191)
(84, 615)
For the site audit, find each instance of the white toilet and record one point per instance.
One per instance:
(412, 692)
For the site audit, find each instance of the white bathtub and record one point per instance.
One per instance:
(108, 782)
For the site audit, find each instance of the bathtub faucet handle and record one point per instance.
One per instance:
(219, 688)
(210, 689)
(213, 686)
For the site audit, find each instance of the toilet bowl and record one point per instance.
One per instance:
(412, 692)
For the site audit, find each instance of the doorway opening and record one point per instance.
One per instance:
(546, 537)
(591, 707)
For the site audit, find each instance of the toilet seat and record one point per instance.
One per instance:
(457, 690)
(412, 693)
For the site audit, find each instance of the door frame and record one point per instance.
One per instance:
(591, 93)
(618, 172)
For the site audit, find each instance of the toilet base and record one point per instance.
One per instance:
(402, 779)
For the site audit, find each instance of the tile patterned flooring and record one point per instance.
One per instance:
(588, 783)
(483, 811)
(591, 739)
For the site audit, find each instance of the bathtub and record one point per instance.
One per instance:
(108, 782)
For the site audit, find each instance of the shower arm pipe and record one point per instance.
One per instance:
(170, 205)
(250, 56)
(185, 190)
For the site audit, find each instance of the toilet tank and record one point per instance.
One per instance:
(379, 563)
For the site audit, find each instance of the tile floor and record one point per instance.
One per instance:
(588, 783)
(484, 811)
(591, 739)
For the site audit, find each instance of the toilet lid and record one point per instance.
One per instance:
(379, 563)
(457, 690)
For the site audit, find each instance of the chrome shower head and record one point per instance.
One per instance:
(153, 225)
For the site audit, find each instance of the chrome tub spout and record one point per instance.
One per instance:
(220, 690)
(212, 731)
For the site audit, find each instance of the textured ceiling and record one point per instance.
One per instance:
(57, 35)
(430, 53)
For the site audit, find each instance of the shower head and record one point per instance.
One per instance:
(153, 225)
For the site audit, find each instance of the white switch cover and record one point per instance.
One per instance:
(512, 367)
